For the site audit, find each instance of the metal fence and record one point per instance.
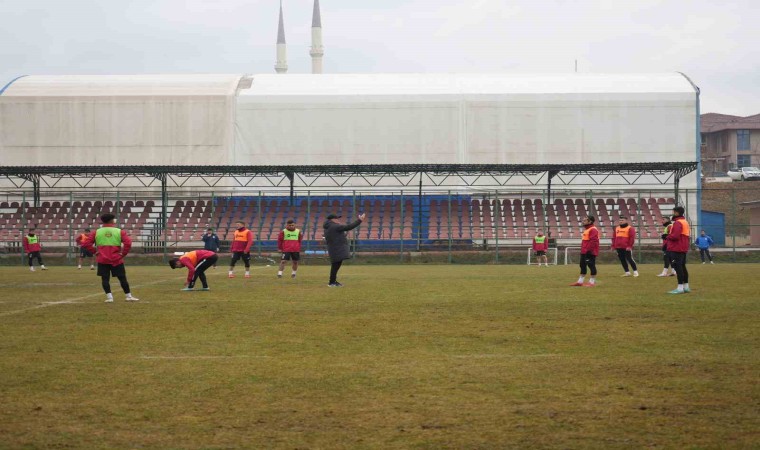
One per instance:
(473, 226)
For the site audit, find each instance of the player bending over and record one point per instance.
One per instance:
(196, 262)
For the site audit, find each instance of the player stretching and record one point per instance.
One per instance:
(113, 245)
(241, 248)
(196, 262)
(289, 243)
(589, 251)
(625, 237)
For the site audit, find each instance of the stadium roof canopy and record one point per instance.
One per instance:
(349, 85)
(56, 86)
(460, 129)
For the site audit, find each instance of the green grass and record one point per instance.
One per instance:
(401, 357)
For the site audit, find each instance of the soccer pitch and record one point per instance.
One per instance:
(402, 356)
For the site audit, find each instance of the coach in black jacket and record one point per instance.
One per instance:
(337, 244)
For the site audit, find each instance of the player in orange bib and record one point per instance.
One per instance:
(196, 261)
(589, 252)
(84, 253)
(241, 249)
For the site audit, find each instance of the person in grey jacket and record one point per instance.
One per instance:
(337, 244)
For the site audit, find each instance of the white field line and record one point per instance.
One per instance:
(75, 300)
(176, 357)
(100, 294)
(498, 355)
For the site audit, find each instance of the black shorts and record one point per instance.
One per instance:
(288, 256)
(84, 253)
(105, 270)
(540, 253)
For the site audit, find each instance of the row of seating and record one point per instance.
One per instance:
(436, 218)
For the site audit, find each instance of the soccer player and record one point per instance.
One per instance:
(703, 242)
(289, 243)
(196, 261)
(337, 244)
(113, 244)
(589, 252)
(622, 242)
(211, 242)
(540, 247)
(241, 248)
(32, 249)
(84, 253)
(667, 270)
(678, 247)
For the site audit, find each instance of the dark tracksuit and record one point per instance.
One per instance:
(211, 243)
(337, 245)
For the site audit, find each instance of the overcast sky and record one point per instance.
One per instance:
(715, 43)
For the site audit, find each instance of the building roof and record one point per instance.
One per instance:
(713, 122)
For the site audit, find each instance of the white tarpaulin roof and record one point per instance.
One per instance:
(378, 85)
(466, 119)
(348, 119)
(122, 85)
(118, 120)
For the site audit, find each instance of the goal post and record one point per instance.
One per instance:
(549, 252)
(568, 259)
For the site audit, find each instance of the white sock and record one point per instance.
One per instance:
(129, 295)
(109, 296)
(686, 285)
(279, 272)
(247, 272)
(293, 272)
(680, 287)
(592, 280)
(580, 279)
(230, 272)
(79, 266)
(635, 272)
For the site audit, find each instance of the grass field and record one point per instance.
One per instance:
(401, 357)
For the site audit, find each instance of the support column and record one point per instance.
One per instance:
(551, 174)
(676, 183)
(291, 177)
(401, 234)
(162, 221)
(419, 216)
(36, 184)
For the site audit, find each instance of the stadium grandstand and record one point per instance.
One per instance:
(435, 161)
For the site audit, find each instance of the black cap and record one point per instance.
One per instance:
(333, 216)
